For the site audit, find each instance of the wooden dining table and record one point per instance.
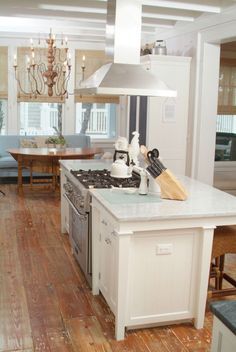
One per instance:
(46, 160)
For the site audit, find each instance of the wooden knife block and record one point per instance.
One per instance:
(170, 187)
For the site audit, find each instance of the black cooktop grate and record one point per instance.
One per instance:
(102, 179)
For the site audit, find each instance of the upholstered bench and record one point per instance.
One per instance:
(224, 326)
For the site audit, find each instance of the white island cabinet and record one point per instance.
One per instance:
(151, 256)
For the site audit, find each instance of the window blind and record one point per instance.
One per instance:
(94, 59)
(3, 72)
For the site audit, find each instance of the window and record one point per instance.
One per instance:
(225, 138)
(3, 88)
(98, 120)
(95, 115)
(3, 116)
(40, 118)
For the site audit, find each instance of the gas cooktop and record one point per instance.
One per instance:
(103, 179)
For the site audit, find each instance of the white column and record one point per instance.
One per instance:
(203, 271)
(206, 111)
(123, 252)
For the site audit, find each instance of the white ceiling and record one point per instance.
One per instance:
(85, 20)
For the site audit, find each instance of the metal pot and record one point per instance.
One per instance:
(160, 48)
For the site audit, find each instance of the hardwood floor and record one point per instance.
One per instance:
(45, 303)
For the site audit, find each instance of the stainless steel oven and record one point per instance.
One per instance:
(80, 232)
(76, 191)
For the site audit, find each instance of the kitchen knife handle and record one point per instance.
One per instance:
(144, 151)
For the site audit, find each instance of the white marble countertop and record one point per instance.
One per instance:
(203, 200)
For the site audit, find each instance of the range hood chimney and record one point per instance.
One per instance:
(125, 75)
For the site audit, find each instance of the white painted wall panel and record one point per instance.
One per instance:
(168, 117)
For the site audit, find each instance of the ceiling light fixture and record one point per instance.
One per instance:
(49, 77)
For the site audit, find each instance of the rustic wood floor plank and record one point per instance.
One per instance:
(73, 301)
(24, 350)
(162, 339)
(15, 330)
(87, 336)
(138, 341)
(191, 338)
(103, 313)
(51, 340)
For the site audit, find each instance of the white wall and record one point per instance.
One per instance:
(186, 45)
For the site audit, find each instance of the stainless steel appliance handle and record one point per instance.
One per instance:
(82, 216)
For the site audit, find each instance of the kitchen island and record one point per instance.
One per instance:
(151, 257)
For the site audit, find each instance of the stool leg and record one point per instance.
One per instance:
(217, 263)
(31, 175)
(221, 266)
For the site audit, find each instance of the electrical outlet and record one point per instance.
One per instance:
(164, 248)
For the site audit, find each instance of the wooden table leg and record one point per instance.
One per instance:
(54, 174)
(20, 183)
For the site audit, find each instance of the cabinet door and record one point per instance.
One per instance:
(112, 274)
(108, 263)
(105, 256)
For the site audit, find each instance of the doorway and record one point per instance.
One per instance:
(225, 148)
(206, 98)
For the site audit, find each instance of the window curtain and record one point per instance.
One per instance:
(23, 55)
(3, 72)
(94, 59)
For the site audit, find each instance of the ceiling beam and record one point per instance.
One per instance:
(66, 8)
(181, 5)
(153, 22)
(168, 16)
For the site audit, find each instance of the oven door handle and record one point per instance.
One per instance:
(82, 216)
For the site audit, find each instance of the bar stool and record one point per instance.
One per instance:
(224, 242)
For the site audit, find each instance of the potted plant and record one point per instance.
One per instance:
(55, 141)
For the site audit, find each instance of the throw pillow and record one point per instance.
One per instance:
(40, 141)
(28, 143)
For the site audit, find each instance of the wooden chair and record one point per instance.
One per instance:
(224, 242)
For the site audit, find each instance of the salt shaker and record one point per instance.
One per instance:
(143, 188)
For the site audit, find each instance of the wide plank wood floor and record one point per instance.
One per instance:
(45, 303)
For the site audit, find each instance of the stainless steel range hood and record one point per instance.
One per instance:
(125, 76)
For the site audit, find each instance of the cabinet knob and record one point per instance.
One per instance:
(104, 222)
(107, 240)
